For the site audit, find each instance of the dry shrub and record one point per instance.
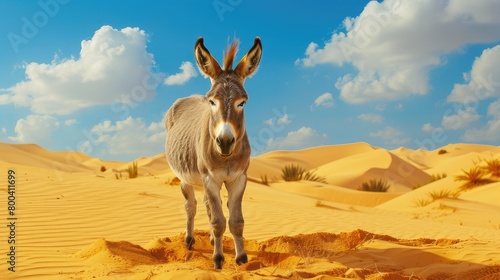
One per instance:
(375, 185)
(422, 202)
(292, 173)
(492, 167)
(476, 176)
(442, 152)
(132, 170)
(435, 195)
(264, 180)
(438, 176)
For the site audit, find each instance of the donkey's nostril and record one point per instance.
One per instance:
(223, 141)
(225, 144)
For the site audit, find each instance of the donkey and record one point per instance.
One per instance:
(207, 145)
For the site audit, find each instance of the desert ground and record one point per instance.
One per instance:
(79, 217)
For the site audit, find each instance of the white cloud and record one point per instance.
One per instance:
(113, 66)
(381, 107)
(188, 72)
(428, 127)
(4, 130)
(462, 119)
(269, 122)
(283, 120)
(494, 109)
(301, 138)
(131, 136)
(70, 122)
(480, 83)
(325, 100)
(373, 118)
(491, 131)
(394, 43)
(391, 136)
(483, 80)
(35, 129)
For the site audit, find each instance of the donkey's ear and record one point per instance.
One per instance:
(206, 62)
(249, 63)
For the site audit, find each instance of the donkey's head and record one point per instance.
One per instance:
(227, 95)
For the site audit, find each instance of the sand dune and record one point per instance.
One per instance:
(350, 172)
(450, 158)
(81, 223)
(270, 164)
(36, 156)
(331, 193)
(346, 255)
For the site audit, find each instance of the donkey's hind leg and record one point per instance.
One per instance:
(190, 206)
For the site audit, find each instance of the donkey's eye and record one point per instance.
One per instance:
(211, 102)
(242, 103)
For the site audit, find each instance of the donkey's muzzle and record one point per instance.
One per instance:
(225, 144)
(225, 138)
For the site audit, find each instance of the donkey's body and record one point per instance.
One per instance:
(207, 145)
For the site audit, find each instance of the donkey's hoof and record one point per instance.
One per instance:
(218, 261)
(241, 259)
(189, 242)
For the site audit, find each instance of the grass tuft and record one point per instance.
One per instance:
(264, 180)
(442, 152)
(492, 167)
(435, 195)
(310, 176)
(375, 185)
(132, 170)
(438, 176)
(292, 173)
(476, 176)
(422, 202)
(103, 168)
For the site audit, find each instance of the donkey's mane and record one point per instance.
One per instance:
(229, 54)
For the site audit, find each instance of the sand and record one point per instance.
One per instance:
(76, 222)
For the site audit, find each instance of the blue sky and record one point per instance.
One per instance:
(97, 76)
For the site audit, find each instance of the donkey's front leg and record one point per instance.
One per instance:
(190, 206)
(217, 219)
(236, 222)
